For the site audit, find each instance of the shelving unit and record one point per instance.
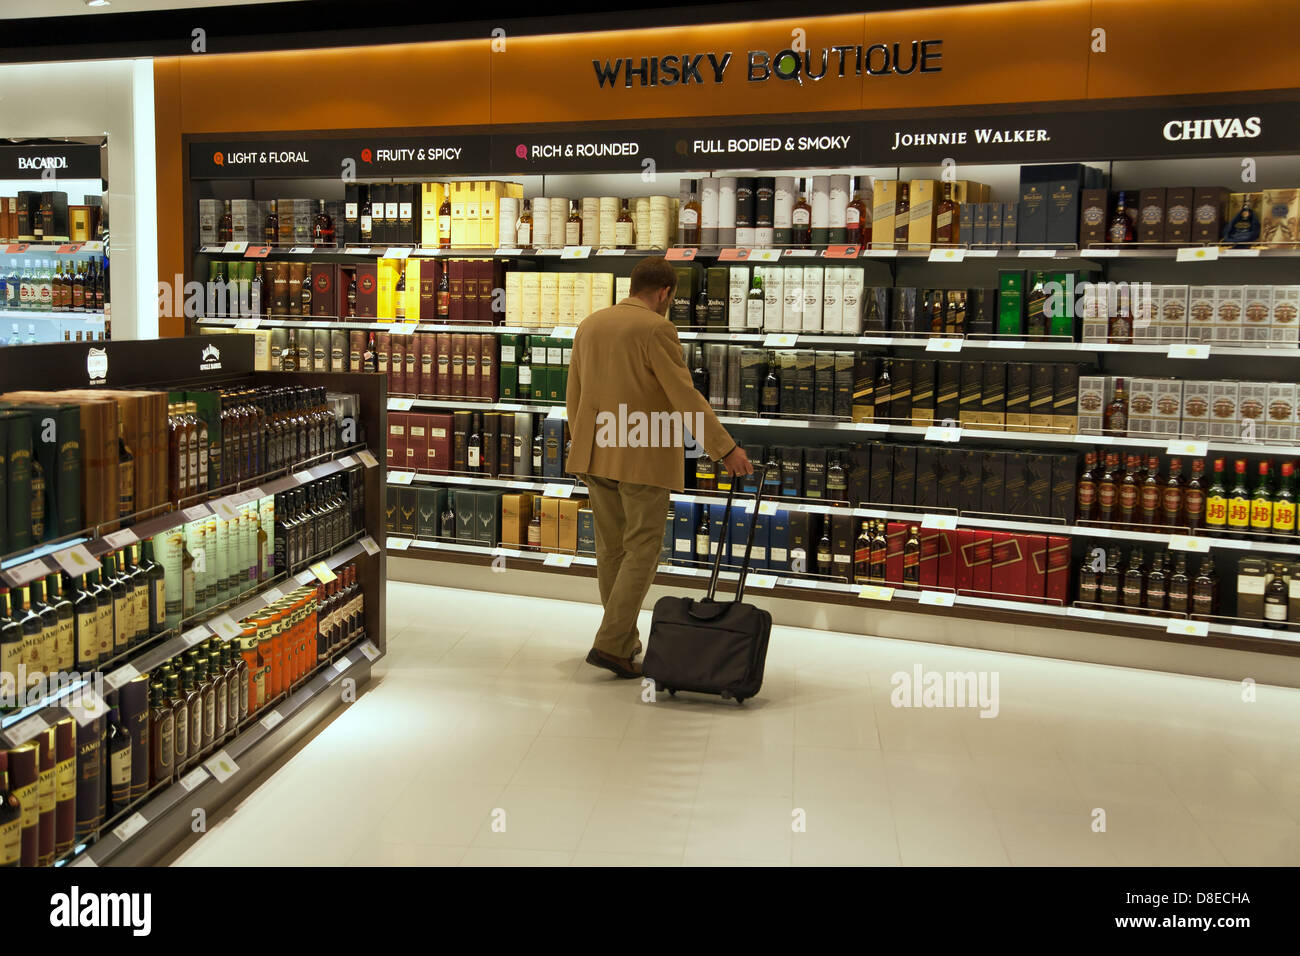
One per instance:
(147, 829)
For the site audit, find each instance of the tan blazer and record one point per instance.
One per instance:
(627, 378)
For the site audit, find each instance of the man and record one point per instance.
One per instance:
(630, 398)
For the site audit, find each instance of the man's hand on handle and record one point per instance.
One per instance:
(737, 462)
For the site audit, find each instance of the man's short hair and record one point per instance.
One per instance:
(651, 275)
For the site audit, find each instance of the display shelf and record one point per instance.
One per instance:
(944, 344)
(32, 314)
(147, 831)
(1156, 627)
(51, 249)
(1177, 538)
(42, 560)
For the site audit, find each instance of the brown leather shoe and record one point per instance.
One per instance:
(622, 667)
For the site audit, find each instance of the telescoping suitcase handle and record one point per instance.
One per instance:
(761, 473)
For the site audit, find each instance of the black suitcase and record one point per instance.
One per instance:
(710, 646)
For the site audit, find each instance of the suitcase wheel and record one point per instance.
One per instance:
(671, 692)
(725, 695)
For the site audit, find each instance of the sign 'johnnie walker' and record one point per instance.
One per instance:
(899, 58)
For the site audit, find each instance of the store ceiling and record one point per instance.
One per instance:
(21, 9)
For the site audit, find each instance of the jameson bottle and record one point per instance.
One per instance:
(162, 728)
(66, 640)
(11, 641)
(11, 817)
(119, 762)
(156, 585)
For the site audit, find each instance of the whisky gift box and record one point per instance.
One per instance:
(1095, 393)
(429, 506)
(1252, 579)
(1178, 214)
(970, 480)
(823, 383)
(417, 441)
(880, 488)
(864, 384)
(970, 396)
(947, 390)
(903, 467)
(923, 399)
(1007, 565)
(1281, 412)
(993, 479)
(1011, 302)
(993, 396)
(1010, 230)
(390, 509)
(1018, 396)
(1224, 398)
(487, 514)
(926, 493)
(586, 531)
(1280, 218)
(877, 311)
(1093, 209)
(1031, 222)
(904, 316)
(1282, 322)
(1151, 215)
(979, 224)
(900, 395)
(1208, 203)
(466, 510)
(1015, 486)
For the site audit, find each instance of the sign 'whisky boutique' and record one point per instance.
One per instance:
(790, 64)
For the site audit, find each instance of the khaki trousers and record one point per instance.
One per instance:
(629, 535)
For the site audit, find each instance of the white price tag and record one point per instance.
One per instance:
(194, 778)
(342, 664)
(564, 332)
(273, 595)
(353, 250)
(247, 325)
(881, 253)
(559, 411)
(308, 250)
(234, 247)
(227, 509)
(764, 508)
(1197, 254)
(947, 255)
(398, 544)
(1252, 253)
(939, 433)
(688, 335)
(875, 592)
(575, 252)
(366, 458)
(401, 477)
(1188, 628)
(368, 545)
(222, 766)
(369, 649)
(508, 252)
(940, 522)
(25, 730)
(225, 627)
(1101, 253)
(557, 490)
(302, 477)
(135, 822)
(753, 421)
(1012, 343)
(347, 461)
(26, 573)
(765, 581)
(76, 560)
(195, 635)
(1182, 542)
(764, 255)
(1195, 449)
(1189, 350)
(797, 253)
(981, 253)
(195, 513)
(1037, 253)
(678, 569)
(936, 598)
(1085, 612)
(558, 560)
(400, 404)
(123, 675)
(943, 345)
(401, 328)
(120, 539)
(611, 252)
(398, 252)
(85, 705)
(323, 573)
(271, 719)
(779, 340)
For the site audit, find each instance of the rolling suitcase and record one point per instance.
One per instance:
(710, 646)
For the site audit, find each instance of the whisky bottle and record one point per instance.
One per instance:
(1121, 227)
(1157, 583)
(912, 555)
(1261, 502)
(49, 632)
(103, 614)
(11, 819)
(1150, 495)
(137, 585)
(125, 470)
(754, 302)
(862, 555)
(623, 227)
(1284, 511)
(700, 309)
(885, 380)
(1171, 498)
(399, 294)
(1179, 586)
(1110, 579)
(1089, 580)
(474, 443)
(947, 223)
(837, 478)
(305, 295)
(1243, 228)
(66, 640)
(119, 762)
(180, 719)
(1108, 490)
(1120, 324)
(879, 552)
(902, 217)
(194, 708)
(155, 589)
(1277, 598)
(11, 640)
(1128, 492)
(1116, 421)
(801, 218)
(770, 400)
(323, 228)
(271, 227)
(537, 449)
(573, 227)
(1239, 499)
(706, 473)
(226, 225)
(162, 728)
(688, 217)
(117, 590)
(702, 537)
(1133, 580)
(1193, 506)
(523, 231)
(1086, 488)
(189, 580)
(1216, 499)
(207, 689)
(825, 563)
(857, 217)
(1036, 323)
(1205, 590)
(447, 520)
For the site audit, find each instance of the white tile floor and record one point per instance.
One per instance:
(486, 741)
